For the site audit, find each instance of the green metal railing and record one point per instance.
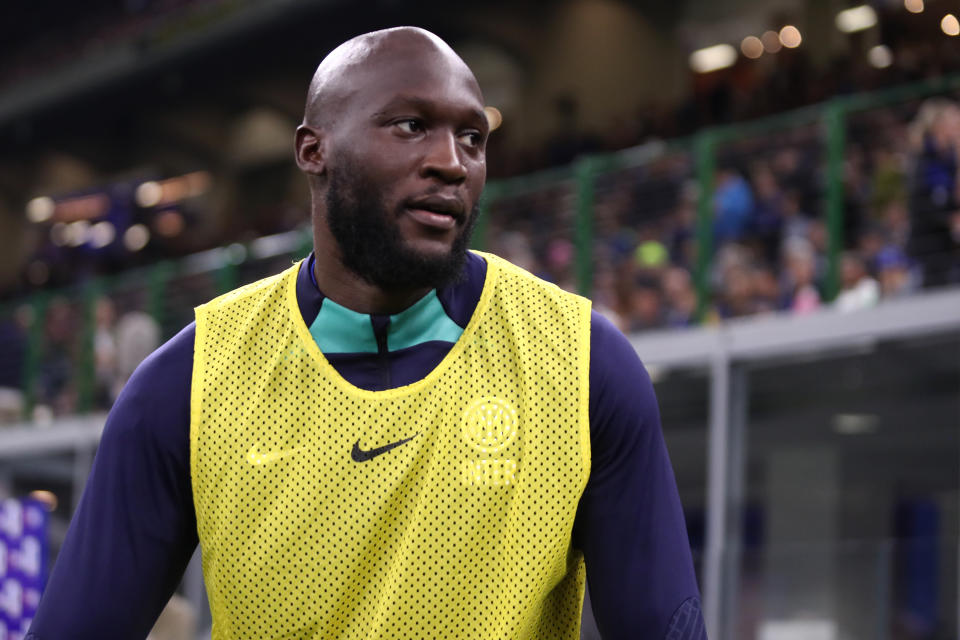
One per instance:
(580, 179)
(706, 167)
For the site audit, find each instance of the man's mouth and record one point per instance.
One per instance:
(438, 212)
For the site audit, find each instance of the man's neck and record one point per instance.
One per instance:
(353, 292)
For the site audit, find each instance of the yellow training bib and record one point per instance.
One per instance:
(441, 509)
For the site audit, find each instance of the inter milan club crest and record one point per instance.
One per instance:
(489, 425)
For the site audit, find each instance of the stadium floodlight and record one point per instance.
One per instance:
(102, 234)
(719, 56)
(77, 233)
(950, 25)
(880, 56)
(40, 209)
(136, 237)
(856, 18)
(752, 47)
(148, 194)
(771, 41)
(790, 37)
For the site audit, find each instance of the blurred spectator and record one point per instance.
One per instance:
(560, 254)
(954, 274)
(896, 224)
(766, 289)
(894, 273)
(515, 247)
(680, 298)
(795, 222)
(644, 309)
(604, 297)
(800, 291)
(104, 354)
(681, 228)
(727, 258)
(768, 212)
(649, 262)
(819, 238)
(857, 187)
(934, 195)
(736, 298)
(57, 389)
(731, 278)
(614, 234)
(13, 346)
(870, 242)
(651, 255)
(859, 289)
(137, 335)
(889, 182)
(733, 206)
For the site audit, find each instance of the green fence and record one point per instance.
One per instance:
(611, 226)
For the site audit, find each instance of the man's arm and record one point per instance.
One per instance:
(135, 528)
(630, 524)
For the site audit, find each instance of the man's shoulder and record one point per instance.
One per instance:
(166, 368)
(606, 337)
(619, 382)
(156, 398)
(511, 272)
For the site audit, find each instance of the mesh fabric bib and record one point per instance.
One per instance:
(441, 509)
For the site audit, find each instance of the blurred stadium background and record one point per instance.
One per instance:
(763, 194)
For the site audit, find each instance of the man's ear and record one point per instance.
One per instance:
(309, 150)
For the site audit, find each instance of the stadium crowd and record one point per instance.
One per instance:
(901, 232)
(901, 227)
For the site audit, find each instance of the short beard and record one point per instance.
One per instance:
(370, 242)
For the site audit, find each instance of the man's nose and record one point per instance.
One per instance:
(443, 159)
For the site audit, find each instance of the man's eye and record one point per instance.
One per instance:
(470, 138)
(409, 126)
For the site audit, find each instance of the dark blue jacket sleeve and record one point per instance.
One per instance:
(630, 525)
(135, 529)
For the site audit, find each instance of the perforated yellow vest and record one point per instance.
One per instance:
(441, 509)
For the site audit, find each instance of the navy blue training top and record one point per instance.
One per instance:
(135, 528)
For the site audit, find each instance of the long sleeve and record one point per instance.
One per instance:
(134, 530)
(630, 523)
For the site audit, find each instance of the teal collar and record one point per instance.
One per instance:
(338, 330)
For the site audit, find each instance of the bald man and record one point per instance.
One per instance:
(396, 437)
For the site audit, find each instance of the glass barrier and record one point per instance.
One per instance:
(850, 510)
(883, 589)
(683, 396)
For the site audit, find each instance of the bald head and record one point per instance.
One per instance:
(366, 58)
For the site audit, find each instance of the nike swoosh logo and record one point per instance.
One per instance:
(359, 455)
(256, 458)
